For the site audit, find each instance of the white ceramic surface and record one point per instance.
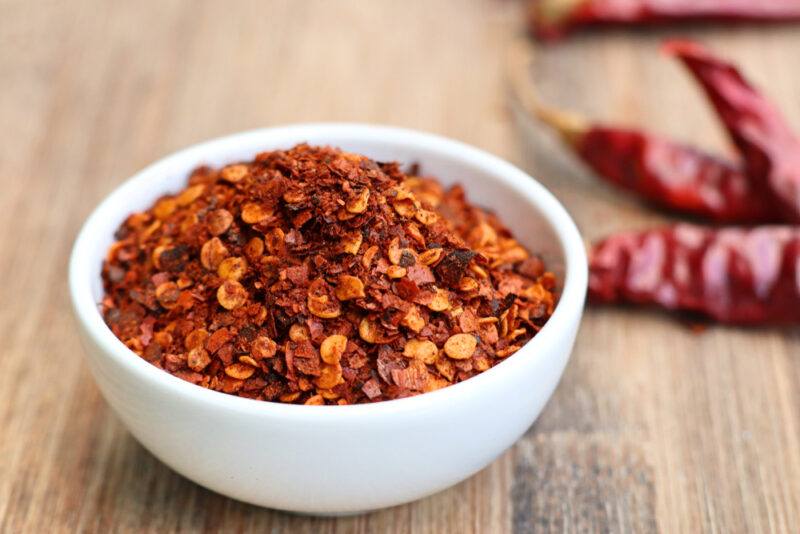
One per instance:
(336, 459)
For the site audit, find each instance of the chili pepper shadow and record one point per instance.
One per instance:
(693, 323)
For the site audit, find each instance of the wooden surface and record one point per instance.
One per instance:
(653, 427)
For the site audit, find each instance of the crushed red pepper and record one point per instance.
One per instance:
(316, 276)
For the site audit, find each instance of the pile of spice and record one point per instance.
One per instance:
(317, 276)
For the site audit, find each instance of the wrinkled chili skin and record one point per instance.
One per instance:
(748, 276)
(673, 176)
(770, 148)
(552, 19)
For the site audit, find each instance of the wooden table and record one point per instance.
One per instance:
(653, 427)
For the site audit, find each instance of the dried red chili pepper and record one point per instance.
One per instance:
(551, 19)
(770, 149)
(671, 175)
(317, 276)
(732, 275)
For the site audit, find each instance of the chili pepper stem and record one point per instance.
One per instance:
(570, 126)
(676, 47)
(554, 12)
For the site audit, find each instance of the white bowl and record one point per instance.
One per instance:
(336, 459)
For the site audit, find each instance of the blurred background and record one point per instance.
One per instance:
(654, 427)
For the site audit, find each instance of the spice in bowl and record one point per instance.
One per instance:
(317, 276)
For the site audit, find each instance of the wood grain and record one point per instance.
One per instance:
(653, 427)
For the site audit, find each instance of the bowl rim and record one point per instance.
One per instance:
(553, 212)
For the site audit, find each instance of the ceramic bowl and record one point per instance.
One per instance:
(336, 459)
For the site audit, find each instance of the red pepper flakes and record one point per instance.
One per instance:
(316, 276)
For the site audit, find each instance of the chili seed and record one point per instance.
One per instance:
(460, 346)
(212, 253)
(349, 287)
(197, 359)
(263, 347)
(359, 203)
(233, 173)
(218, 221)
(239, 371)
(167, 294)
(232, 268)
(332, 348)
(421, 349)
(254, 213)
(231, 294)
